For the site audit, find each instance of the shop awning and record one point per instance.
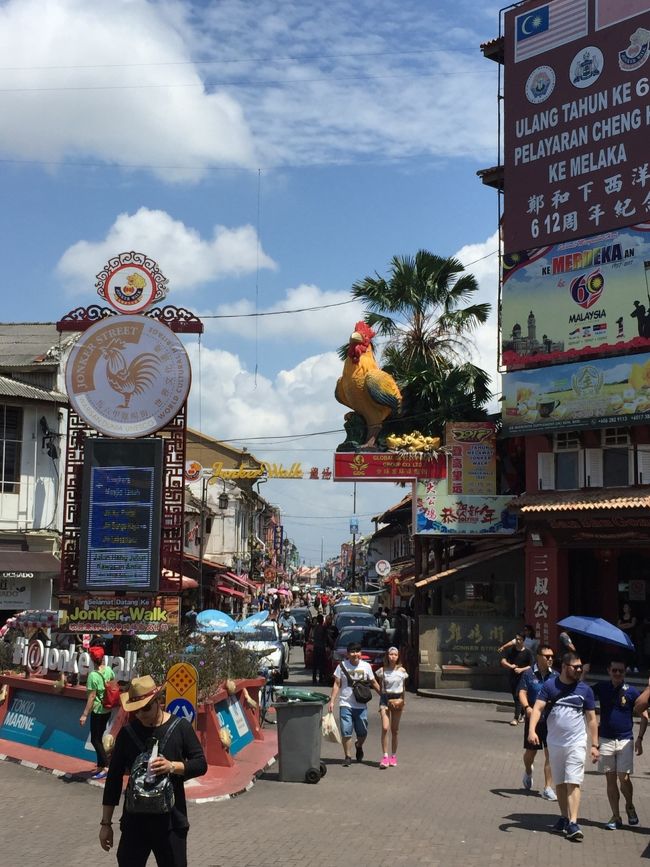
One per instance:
(467, 562)
(567, 501)
(238, 579)
(229, 591)
(28, 561)
(186, 583)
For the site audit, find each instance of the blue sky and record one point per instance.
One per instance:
(267, 155)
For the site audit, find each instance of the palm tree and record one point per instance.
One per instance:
(423, 310)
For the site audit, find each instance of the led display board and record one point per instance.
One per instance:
(122, 497)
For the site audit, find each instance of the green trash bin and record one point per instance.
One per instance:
(299, 715)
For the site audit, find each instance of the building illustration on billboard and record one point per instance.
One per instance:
(577, 112)
(576, 299)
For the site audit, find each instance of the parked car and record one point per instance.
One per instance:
(374, 644)
(266, 641)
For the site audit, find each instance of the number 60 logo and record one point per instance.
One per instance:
(585, 291)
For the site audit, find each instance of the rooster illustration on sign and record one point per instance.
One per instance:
(365, 388)
(128, 379)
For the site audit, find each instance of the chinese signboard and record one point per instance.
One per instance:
(437, 513)
(119, 615)
(473, 457)
(467, 641)
(601, 393)
(542, 599)
(121, 529)
(387, 467)
(587, 297)
(128, 376)
(577, 103)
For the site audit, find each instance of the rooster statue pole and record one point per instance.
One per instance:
(365, 388)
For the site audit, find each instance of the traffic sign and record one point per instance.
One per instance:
(182, 691)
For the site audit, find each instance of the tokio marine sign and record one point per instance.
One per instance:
(128, 376)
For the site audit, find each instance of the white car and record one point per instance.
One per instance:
(266, 642)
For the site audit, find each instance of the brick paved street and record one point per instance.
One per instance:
(454, 800)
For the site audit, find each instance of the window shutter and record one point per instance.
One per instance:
(546, 471)
(630, 465)
(643, 464)
(593, 468)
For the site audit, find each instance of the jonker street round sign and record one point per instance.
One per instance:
(128, 376)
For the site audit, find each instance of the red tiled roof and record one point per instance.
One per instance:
(567, 501)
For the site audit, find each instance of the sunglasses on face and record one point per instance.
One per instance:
(149, 707)
(546, 655)
(617, 670)
(575, 667)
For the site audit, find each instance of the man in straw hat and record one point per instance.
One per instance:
(182, 758)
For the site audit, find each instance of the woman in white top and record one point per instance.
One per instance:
(392, 678)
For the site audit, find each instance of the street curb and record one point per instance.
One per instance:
(78, 778)
(473, 699)
(228, 797)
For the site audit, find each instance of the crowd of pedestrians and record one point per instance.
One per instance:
(558, 708)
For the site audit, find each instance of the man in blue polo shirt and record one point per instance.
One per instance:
(530, 685)
(617, 700)
(571, 711)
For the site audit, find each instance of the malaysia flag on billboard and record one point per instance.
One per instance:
(601, 327)
(609, 12)
(549, 26)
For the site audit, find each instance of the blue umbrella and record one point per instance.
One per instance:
(598, 629)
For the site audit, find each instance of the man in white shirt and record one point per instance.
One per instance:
(353, 714)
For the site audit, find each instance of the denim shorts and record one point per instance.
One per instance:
(353, 719)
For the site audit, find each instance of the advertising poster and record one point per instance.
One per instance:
(49, 722)
(473, 467)
(580, 298)
(232, 717)
(607, 392)
(438, 513)
(577, 117)
(119, 616)
(15, 593)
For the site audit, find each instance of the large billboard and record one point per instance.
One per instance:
(580, 298)
(472, 445)
(439, 513)
(600, 393)
(577, 112)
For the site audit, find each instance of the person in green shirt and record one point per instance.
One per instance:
(99, 715)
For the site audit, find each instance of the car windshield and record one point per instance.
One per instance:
(301, 615)
(262, 632)
(349, 619)
(369, 639)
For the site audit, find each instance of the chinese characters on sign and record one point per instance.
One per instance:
(540, 579)
(470, 642)
(473, 457)
(386, 466)
(438, 513)
(577, 120)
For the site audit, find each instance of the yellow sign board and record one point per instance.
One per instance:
(182, 691)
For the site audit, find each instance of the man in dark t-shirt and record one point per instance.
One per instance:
(615, 734)
(516, 660)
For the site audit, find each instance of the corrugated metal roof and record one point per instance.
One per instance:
(23, 344)
(12, 388)
(567, 501)
(467, 562)
(404, 502)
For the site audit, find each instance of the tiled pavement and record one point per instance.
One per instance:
(454, 801)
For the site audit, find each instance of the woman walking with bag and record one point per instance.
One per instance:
(392, 679)
(99, 715)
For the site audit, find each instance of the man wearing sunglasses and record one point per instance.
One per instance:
(617, 700)
(570, 712)
(529, 687)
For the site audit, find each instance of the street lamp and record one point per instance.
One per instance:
(223, 497)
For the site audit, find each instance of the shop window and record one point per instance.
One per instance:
(618, 457)
(562, 469)
(11, 438)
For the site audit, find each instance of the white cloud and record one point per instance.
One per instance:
(181, 88)
(186, 259)
(329, 327)
(115, 81)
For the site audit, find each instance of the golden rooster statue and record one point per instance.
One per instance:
(364, 387)
(128, 379)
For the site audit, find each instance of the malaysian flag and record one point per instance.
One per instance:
(609, 12)
(549, 26)
(601, 327)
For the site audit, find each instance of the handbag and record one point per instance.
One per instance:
(360, 689)
(396, 703)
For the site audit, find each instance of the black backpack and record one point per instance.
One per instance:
(142, 797)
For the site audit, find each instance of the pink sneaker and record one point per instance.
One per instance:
(384, 763)
(392, 761)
